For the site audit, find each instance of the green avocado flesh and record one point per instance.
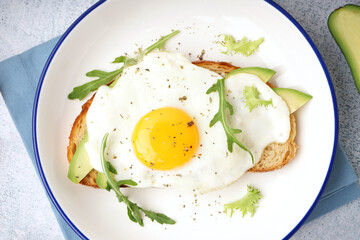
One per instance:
(101, 181)
(344, 25)
(265, 74)
(80, 164)
(293, 98)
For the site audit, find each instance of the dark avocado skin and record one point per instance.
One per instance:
(344, 25)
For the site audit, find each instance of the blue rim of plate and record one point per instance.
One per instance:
(79, 19)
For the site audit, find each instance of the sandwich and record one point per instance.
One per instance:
(163, 121)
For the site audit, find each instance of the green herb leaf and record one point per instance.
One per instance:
(132, 218)
(126, 60)
(110, 167)
(252, 100)
(105, 78)
(221, 116)
(120, 59)
(160, 218)
(246, 204)
(127, 182)
(159, 44)
(133, 210)
(245, 46)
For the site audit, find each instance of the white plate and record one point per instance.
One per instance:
(111, 28)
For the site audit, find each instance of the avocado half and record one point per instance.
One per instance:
(344, 25)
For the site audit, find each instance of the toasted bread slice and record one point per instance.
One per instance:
(274, 156)
(78, 131)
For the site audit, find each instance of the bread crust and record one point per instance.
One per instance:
(77, 133)
(277, 155)
(274, 156)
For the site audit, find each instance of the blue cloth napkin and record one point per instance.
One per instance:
(19, 77)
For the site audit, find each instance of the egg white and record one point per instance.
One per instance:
(159, 81)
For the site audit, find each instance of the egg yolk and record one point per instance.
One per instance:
(165, 138)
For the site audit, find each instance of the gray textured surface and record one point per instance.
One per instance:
(24, 209)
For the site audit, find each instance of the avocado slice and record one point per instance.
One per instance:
(293, 98)
(80, 164)
(344, 25)
(102, 182)
(265, 74)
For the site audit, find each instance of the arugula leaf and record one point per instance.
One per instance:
(159, 44)
(126, 60)
(133, 210)
(244, 46)
(133, 61)
(246, 204)
(110, 167)
(221, 116)
(159, 217)
(103, 183)
(107, 77)
(103, 78)
(252, 100)
(127, 182)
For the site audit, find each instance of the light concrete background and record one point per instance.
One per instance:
(25, 212)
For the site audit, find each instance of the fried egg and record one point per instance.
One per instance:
(158, 117)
